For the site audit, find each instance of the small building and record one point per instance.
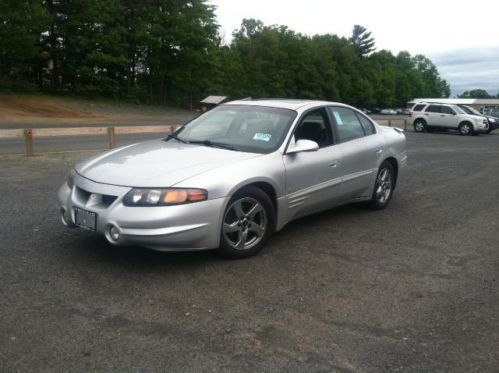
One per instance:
(479, 104)
(210, 102)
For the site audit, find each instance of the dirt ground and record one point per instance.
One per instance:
(43, 111)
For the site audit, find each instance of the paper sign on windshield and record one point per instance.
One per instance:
(262, 136)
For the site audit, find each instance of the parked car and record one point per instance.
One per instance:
(231, 177)
(388, 112)
(427, 116)
(493, 121)
(493, 113)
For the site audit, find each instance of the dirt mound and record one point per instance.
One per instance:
(15, 106)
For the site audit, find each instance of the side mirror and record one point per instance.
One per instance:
(303, 146)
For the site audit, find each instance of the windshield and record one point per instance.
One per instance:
(255, 129)
(460, 110)
(470, 110)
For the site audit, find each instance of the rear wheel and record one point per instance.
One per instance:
(465, 129)
(383, 187)
(419, 125)
(247, 225)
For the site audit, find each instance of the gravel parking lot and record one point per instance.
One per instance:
(412, 288)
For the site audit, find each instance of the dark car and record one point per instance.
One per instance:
(493, 120)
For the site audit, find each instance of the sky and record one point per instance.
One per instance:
(461, 38)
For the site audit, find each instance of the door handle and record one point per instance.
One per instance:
(333, 164)
(442, 115)
(379, 151)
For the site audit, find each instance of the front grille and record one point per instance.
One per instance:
(94, 199)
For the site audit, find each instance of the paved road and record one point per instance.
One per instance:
(411, 288)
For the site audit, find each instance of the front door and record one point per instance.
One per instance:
(313, 179)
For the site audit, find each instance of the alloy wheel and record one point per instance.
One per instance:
(384, 185)
(465, 129)
(245, 223)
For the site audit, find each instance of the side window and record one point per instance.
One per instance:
(347, 124)
(433, 109)
(419, 107)
(315, 126)
(366, 124)
(447, 110)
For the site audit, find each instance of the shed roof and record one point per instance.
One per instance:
(213, 100)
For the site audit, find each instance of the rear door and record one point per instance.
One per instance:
(433, 115)
(361, 149)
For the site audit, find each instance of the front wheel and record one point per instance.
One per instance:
(247, 224)
(465, 129)
(383, 187)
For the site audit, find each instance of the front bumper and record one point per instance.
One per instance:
(481, 127)
(194, 226)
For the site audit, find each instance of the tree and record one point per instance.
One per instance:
(21, 23)
(362, 41)
(475, 93)
(170, 52)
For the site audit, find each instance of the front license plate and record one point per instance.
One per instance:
(85, 219)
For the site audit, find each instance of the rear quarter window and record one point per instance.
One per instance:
(418, 107)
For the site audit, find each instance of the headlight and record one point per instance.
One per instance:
(164, 197)
(492, 120)
(70, 179)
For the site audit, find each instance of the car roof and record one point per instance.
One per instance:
(293, 104)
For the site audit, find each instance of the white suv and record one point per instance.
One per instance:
(426, 116)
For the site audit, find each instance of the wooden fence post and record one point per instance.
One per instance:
(405, 124)
(28, 141)
(111, 135)
(389, 122)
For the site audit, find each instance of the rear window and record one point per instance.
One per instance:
(434, 109)
(419, 107)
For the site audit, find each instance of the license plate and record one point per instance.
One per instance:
(85, 219)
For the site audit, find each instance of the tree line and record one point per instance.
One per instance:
(171, 52)
(477, 93)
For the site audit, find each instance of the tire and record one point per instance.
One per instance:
(419, 125)
(247, 224)
(383, 187)
(466, 129)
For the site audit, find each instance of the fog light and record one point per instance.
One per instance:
(114, 233)
(66, 220)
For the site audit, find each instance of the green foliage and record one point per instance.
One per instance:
(476, 93)
(169, 52)
(362, 41)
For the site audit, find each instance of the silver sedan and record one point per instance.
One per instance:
(234, 175)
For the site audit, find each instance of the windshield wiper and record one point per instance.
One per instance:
(174, 136)
(212, 144)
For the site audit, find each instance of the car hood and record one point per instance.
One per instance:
(476, 117)
(157, 163)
